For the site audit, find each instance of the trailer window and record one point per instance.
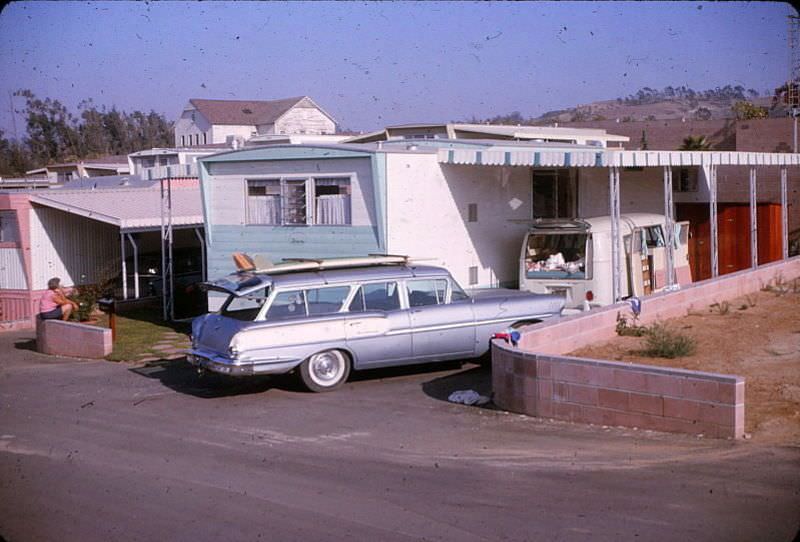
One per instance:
(557, 256)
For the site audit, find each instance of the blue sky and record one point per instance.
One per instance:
(376, 63)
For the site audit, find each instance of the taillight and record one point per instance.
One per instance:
(589, 295)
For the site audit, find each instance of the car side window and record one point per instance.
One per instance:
(326, 300)
(357, 304)
(426, 292)
(456, 293)
(289, 304)
(379, 296)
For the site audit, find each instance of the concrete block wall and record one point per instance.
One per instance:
(71, 339)
(572, 332)
(537, 379)
(617, 394)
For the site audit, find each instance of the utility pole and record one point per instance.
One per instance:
(792, 90)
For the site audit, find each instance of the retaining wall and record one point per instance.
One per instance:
(71, 339)
(576, 331)
(614, 393)
(536, 379)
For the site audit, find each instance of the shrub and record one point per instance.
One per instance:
(664, 342)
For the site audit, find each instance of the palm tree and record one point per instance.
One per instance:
(695, 143)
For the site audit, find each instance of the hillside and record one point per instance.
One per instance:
(661, 109)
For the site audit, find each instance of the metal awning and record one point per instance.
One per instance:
(548, 157)
(131, 210)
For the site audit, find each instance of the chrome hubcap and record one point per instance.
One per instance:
(326, 367)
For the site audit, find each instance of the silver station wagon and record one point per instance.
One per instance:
(323, 318)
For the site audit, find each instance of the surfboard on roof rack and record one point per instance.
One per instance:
(255, 264)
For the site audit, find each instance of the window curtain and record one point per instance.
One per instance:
(333, 209)
(264, 209)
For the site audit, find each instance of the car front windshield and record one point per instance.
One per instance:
(244, 307)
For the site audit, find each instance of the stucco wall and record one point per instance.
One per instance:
(427, 212)
(640, 191)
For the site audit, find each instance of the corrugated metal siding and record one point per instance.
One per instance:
(76, 249)
(12, 270)
(15, 306)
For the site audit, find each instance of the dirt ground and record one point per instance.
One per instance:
(756, 337)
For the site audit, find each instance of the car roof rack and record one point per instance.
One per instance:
(245, 263)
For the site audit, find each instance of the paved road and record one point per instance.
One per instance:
(103, 451)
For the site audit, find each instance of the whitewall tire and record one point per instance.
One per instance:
(325, 371)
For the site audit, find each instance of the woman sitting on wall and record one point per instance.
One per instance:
(54, 304)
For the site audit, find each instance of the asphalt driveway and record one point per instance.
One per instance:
(94, 450)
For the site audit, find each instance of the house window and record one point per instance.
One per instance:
(196, 139)
(295, 199)
(332, 201)
(205, 138)
(323, 201)
(473, 275)
(183, 141)
(684, 180)
(8, 227)
(472, 212)
(149, 162)
(264, 202)
(555, 194)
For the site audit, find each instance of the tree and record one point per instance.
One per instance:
(745, 110)
(695, 143)
(643, 141)
(56, 135)
(52, 134)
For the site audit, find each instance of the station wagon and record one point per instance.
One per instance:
(326, 317)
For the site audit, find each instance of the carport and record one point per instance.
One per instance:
(143, 218)
(615, 161)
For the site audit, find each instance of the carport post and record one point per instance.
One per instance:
(753, 219)
(135, 266)
(784, 214)
(202, 252)
(613, 203)
(124, 266)
(670, 224)
(712, 202)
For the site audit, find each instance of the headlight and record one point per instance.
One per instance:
(233, 351)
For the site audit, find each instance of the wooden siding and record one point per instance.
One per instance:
(12, 270)
(78, 250)
(227, 196)
(304, 120)
(734, 236)
(276, 242)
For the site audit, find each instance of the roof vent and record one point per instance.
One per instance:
(412, 147)
(247, 111)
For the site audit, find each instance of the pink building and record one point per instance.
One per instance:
(86, 236)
